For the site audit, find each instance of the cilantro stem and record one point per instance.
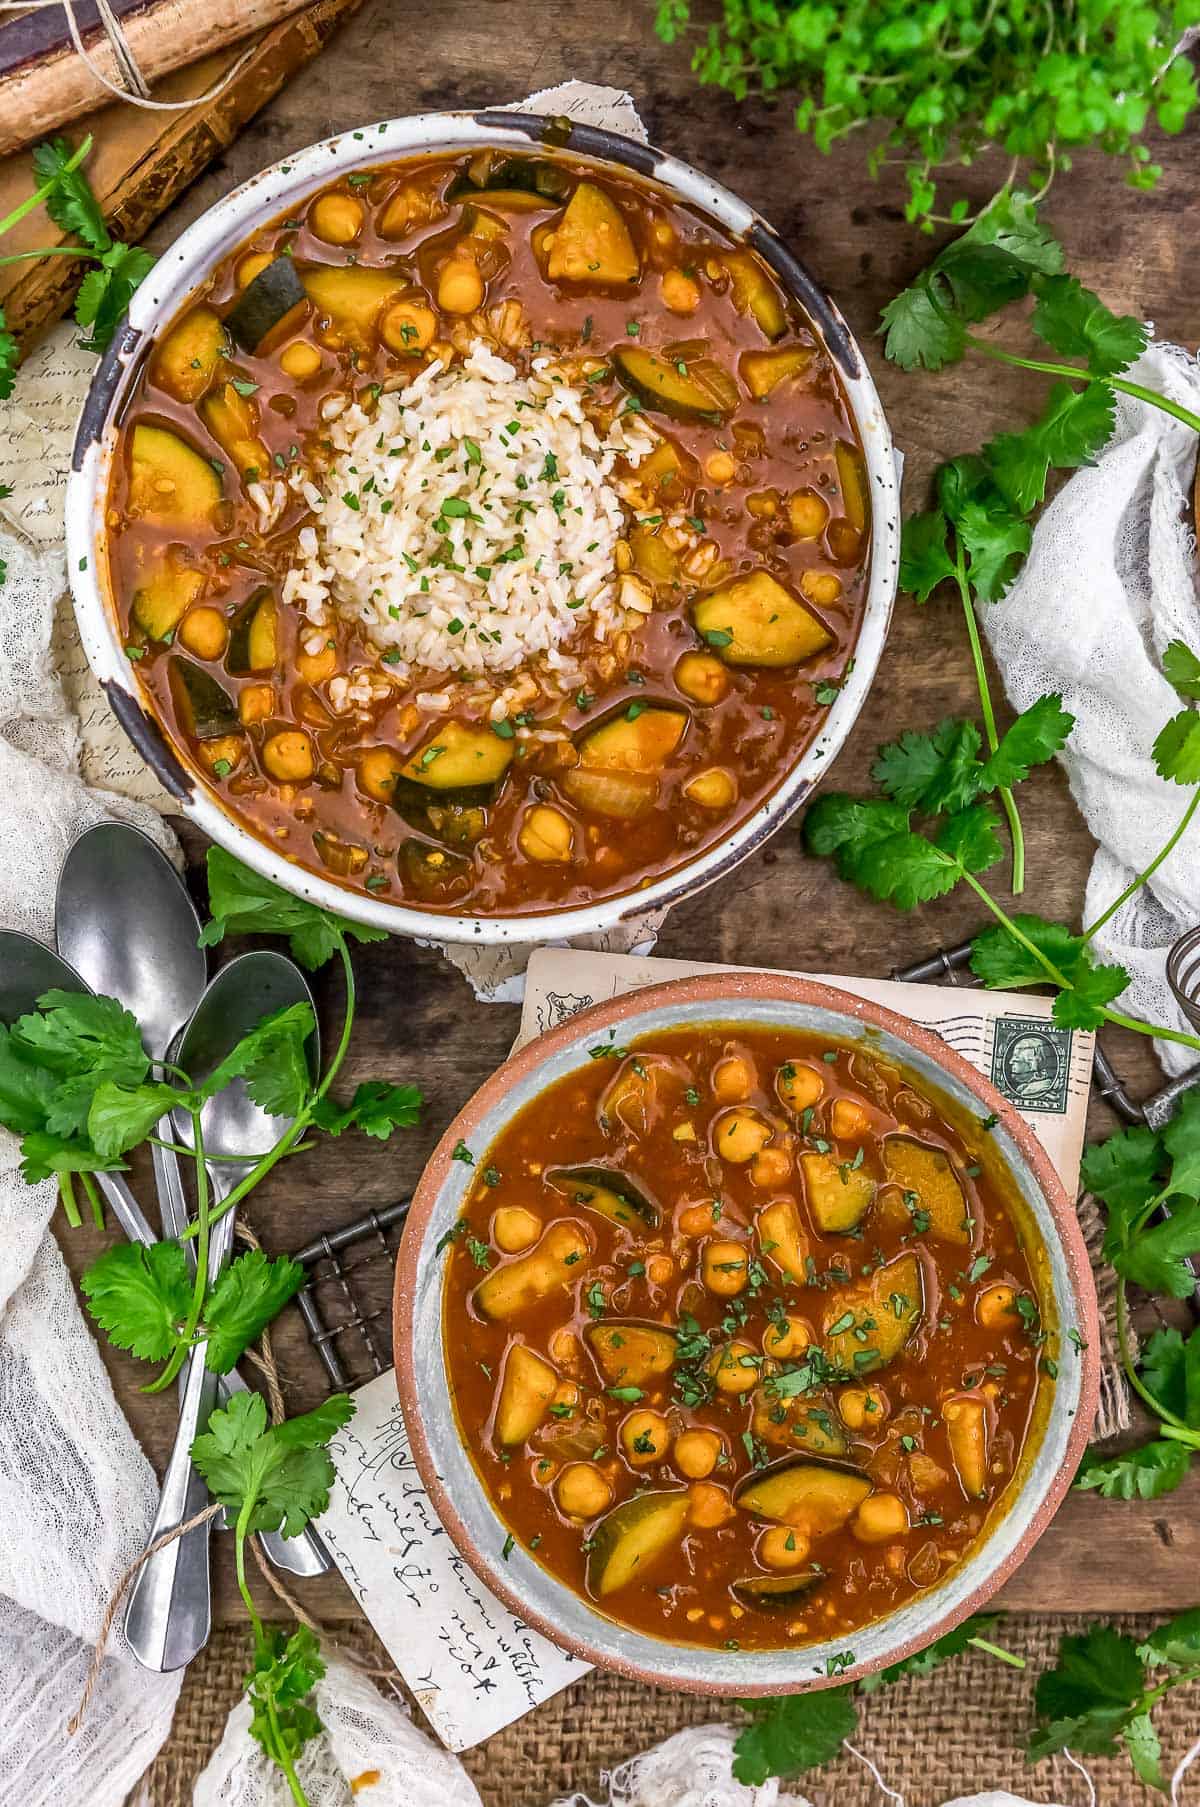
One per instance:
(200, 1283)
(1075, 374)
(261, 1680)
(989, 715)
(996, 1650)
(1137, 883)
(94, 1199)
(47, 188)
(20, 257)
(1172, 1425)
(66, 1193)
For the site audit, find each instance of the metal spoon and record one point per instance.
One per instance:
(124, 917)
(169, 1615)
(27, 971)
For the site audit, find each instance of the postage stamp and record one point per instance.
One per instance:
(1031, 1063)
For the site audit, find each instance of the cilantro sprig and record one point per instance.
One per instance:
(936, 86)
(270, 1478)
(108, 287)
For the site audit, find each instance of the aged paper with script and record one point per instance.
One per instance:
(473, 1666)
(37, 430)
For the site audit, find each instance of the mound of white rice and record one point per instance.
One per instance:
(469, 522)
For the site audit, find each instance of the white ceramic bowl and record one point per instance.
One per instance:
(281, 189)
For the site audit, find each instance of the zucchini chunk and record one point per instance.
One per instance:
(886, 1310)
(353, 296)
(170, 484)
(629, 1352)
(253, 637)
(186, 361)
(432, 873)
(853, 484)
(775, 1593)
(530, 181)
(628, 1541)
(686, 389)
(527, 1387)
(754, 292)
(549, 1267)
(232, 419)
(592, 242)
(807, 1423)
(607, 1192)
(465, 758)
(763, 371)
(754, 621)
(160, 603)
(927, 1172)
(966, 1420)
(815, 1496)
(838, 1197)
(205, 709)
(619, 762)
(264, 302)
(781, 1237)
(667, 471)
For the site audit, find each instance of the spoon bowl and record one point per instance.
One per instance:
(28, 969)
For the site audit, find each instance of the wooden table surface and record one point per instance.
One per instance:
(419, 1021)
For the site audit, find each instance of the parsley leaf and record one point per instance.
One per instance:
(792, 1733)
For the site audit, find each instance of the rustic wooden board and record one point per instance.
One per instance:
(418, 1018)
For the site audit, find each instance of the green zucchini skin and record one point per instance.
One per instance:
(203, 703)
(263, 303)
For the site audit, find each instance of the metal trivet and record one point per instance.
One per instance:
(346, 1302)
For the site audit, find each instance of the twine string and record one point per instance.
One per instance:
(132, 85)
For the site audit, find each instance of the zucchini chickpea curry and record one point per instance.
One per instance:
(491, 535)
(742, 1335)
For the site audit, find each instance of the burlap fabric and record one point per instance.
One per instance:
(950, 1733)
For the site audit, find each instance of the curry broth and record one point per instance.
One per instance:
(811, 1297)
(267, 733)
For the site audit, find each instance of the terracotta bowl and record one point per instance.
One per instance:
(1061, 1421)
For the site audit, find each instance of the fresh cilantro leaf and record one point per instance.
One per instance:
(1035, 736)
(1090, 1696)
(105, 293)
(286, 1670)
(1175, 1645)
(924, 559)
(1002, 963)
(1181, 669)
(1177, 748)
(10, 352)
(1165, 1363)
(75, 1033)
(1074, 426)
(240, 902)
(993, 539)
(376, 1108)
(1092, 989)
(971, 838)
(1010, 222)
(271, 1060)
(793, 1733)
(1136, 1474)
(920, 331)
(1076, 322)
(1121, 1170)
(1141, 1741)
(45, 1155)
(26, 1089)
(1155, 1255)
(140, 1296)
(71, 203)
(1181, 1139)
(931, 772)
(119, 1118)
(251, 1292)
(282, 1473)
(952, 1644)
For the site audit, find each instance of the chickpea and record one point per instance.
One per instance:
(252, 265)
(460, 287)
(256, 703)
(848, 1119)
(659, 1269)
(680, 293)
(713, 789)
(782, 1547)
(763, 504)
(739, 1134)
(546, 835)
(697, 1220)
(378, 770)
(314, 668)
(337, 218)
(720, 467)
(724, 1268)
(696, 1453)
(821, 586)
(880, 1518)
(770, 1168)
(514, 1229)
(784, 1340)
(732, 1080)
(736, 1368)
(288, 757)
(300, 360)
(205, 632)
(645, 1437)
(799, 1086)
(862, 1405)
(702, 677)
(226, 751)
(708, 1505)
(807, 514)
(408, 327)
(582, 1491)
(996, 1307)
